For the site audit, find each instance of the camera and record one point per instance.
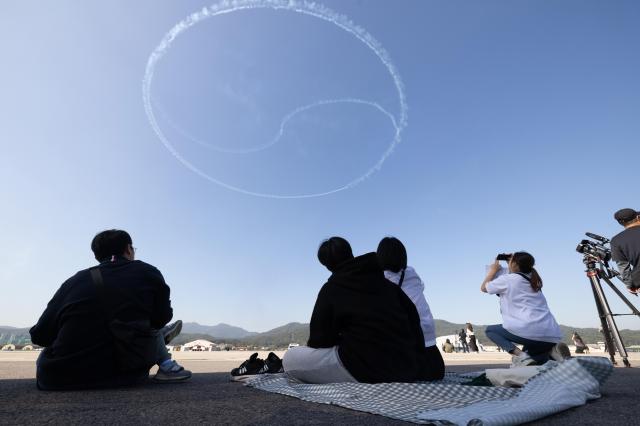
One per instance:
(596, 249)
(504, 256)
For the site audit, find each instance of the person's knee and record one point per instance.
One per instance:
(293, 358)
(491, 329)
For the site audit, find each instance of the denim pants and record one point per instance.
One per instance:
(537, 350)
(162, 352)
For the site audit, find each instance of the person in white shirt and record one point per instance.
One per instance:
(526, 317)
(392, 256)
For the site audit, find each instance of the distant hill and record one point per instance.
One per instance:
(16, 336)
(295, 332)
(221, 331)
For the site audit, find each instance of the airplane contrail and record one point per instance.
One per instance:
(307, 8)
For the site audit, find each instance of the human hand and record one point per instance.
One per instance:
(494, 267)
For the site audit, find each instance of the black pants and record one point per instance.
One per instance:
(434, 365)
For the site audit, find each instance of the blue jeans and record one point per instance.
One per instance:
(539, 351)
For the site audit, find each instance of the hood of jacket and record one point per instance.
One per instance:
(362, 273)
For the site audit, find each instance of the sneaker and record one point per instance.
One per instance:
(273, 364)
(560, 352)
(171, 331)
(253, 365)
(172, 373)
(521, 360)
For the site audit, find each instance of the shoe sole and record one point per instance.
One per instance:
(172, 379)
(175, 329)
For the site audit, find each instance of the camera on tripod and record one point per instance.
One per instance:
(597, 249)
(596, 255)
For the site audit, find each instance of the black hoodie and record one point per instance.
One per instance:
(372, 321)
(79, 351)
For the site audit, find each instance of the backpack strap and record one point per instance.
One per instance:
(401, 279)
(524, 276)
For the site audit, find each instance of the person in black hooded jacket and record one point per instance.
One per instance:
(79, 351)
(363, 327)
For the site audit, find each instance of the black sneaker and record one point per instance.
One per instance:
(171, 331)
(173, 373)
(253, 365)
(273, 364)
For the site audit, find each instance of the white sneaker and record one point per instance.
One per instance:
(521, 360)
(560, 352)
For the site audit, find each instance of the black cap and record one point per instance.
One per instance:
(625, 215)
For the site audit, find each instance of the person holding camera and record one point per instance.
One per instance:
(625, 249)
(526, 317)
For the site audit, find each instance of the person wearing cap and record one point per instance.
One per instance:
(625, 248)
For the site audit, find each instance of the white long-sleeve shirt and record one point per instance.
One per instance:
(414, 288)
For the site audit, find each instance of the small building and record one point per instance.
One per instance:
(198, 346)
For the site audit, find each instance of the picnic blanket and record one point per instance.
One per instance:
(558, 387)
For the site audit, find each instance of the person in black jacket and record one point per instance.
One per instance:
(79, 347)
(363, 327)
(625, 249)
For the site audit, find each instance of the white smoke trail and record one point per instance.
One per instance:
(307, 8)
(179, 129)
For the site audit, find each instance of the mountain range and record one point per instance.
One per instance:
(296, 332)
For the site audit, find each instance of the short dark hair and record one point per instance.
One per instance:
(392, 254)
(626, 216)
(334, 251)
(112, 242)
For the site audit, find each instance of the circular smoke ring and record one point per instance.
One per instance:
(306, 8)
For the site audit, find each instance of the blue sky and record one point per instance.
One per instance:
(522, 133)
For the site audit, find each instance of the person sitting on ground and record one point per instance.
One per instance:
(76, 328)
(363, 328)
(471, 335)
(581, 347)
(447, 347)
(392, 256)
(526, 317)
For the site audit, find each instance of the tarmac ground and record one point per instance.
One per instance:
(209, 398)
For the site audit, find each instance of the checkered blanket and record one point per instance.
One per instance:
(558, 387)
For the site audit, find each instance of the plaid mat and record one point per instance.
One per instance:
(559, 386)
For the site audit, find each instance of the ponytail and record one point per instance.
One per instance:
(536, 280)
(525, 263)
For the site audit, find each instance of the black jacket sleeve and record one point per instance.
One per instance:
(162, 310)
(46, 329)
(321, 329)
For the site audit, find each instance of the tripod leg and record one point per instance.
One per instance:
(606, 333)
(622, 296)
(612, 335)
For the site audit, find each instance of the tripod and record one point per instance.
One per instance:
(599, 269)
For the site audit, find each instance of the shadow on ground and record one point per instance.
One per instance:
(209, 398)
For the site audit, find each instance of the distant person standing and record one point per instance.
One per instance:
(462, 335)
(79, 326)
(625, 249)
(447, 347)
(472, 338)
